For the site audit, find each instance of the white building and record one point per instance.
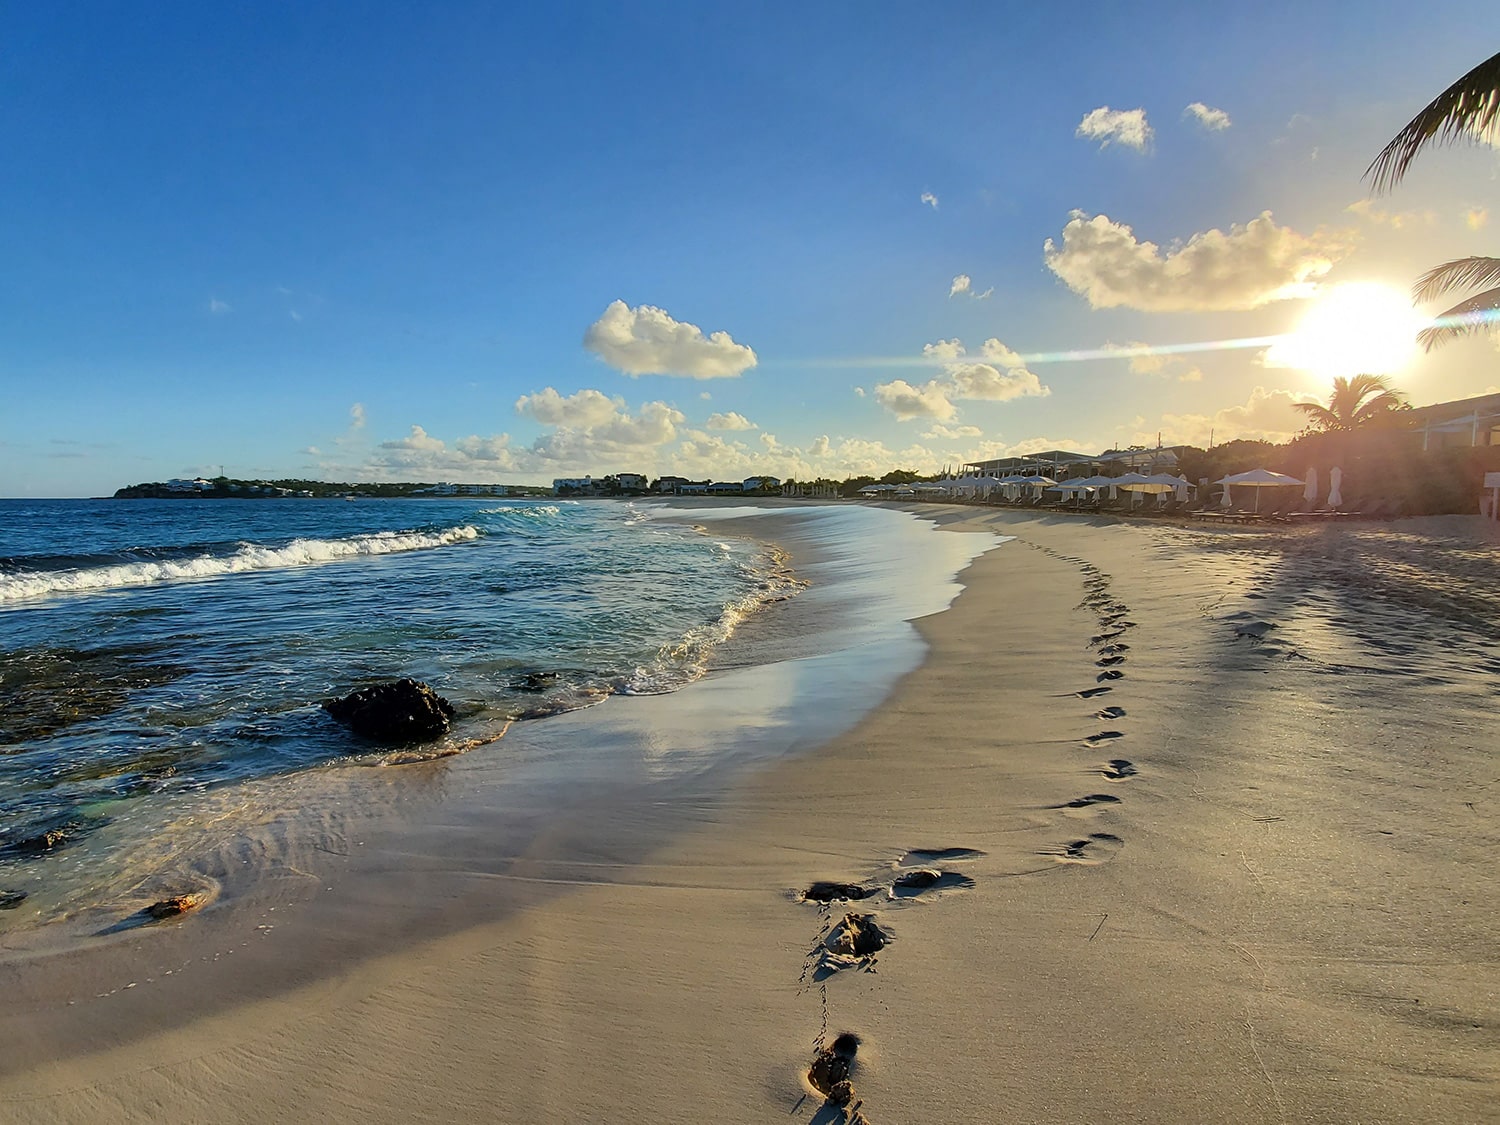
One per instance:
(756, 484)
(631, 482)
(572, 484)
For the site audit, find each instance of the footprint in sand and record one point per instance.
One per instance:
(937, 855)
(830, 1073)
(1118, 769)
(1110, 674)
(1089, 693)
(1109, 661)
(1104, 736)
(925, 880)
(1100, 847)
(1089, 801)
(1110, 713)
(824, 891)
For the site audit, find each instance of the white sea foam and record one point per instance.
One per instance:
(531, 511)
(249, 557)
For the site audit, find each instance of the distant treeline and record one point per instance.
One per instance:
(226, 488)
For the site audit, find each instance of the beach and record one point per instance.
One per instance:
(1169, 824)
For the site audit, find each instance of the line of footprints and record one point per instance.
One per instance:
(848, 939)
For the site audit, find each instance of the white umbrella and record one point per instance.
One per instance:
(1310, 493)
(1256, 479)
(1335, 495)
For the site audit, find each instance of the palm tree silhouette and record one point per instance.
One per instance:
(1466, 110)
(1351, 406)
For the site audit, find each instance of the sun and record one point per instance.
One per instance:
(1357, 328)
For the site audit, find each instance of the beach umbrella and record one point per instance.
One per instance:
(1310, 493)
(1335, 494)
(1256, 479)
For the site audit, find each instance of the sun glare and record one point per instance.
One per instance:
(1356, 328)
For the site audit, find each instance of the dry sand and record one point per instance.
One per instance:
(1259, 888)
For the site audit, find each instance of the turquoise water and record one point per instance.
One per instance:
(152, 648)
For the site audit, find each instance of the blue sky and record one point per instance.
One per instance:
(360, 241)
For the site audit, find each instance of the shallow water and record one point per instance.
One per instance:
(198, 758)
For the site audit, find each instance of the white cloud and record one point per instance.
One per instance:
(1366, 209)
(647, 341)
(417, 441)
(943, 350)
(1126, 127)
(584, 408)
(1214, 120)
(1143, 362)
(859, 392)
(1265, 416)
(217, 307)
(729, 420)
(907, 402)
(1250, 266)
(964, 284)
(938, 430)
(1476, 217)
(357, 416)
(930, 199)
(1002, 379)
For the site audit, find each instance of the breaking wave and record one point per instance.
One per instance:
(246, 557)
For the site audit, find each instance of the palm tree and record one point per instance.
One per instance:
(1351, 406)
(1467, 110)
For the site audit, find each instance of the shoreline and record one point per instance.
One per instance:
(1283, 914)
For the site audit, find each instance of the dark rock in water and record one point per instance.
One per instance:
(395, 713)
(9, 900)
(43, 841)
(536, 681)
(822, 891)
(177, 904)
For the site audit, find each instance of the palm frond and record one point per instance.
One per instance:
(1461, 273)
(1465, 110)
(1319, 415)
(1383, 403)
(1480, 313)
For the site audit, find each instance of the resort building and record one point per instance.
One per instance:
(761, 484)
(1464, 422)
(572, 484)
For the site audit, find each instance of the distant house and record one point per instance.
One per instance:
(693, 488)
(1049, 462)
(668, 484)
(196, 485)
(631, 482)
(761, 484)
(1160, 460)
(727, 486)
(1463, 422)
(573, 484)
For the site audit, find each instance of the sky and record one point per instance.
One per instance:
(491, 243)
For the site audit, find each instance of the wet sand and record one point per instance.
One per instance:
(1171, 825)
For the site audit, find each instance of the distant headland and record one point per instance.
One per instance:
(225, 488)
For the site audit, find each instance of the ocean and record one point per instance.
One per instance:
(162, 663)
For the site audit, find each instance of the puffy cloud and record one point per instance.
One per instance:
(729, 420)
(417, 440)
(647, 341)
(1145, 362)
(421, 454)
(583, 408)
(964, 284)
(939, 430)
(1004, 378)
(1214, 120)
(1265, 416)
(943, 350)
(357, 416)
(1366, 209)
(907, 402)
(1126, 127)
(930, 199)
(1250, 266)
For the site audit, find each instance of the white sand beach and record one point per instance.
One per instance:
(1210, 817)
